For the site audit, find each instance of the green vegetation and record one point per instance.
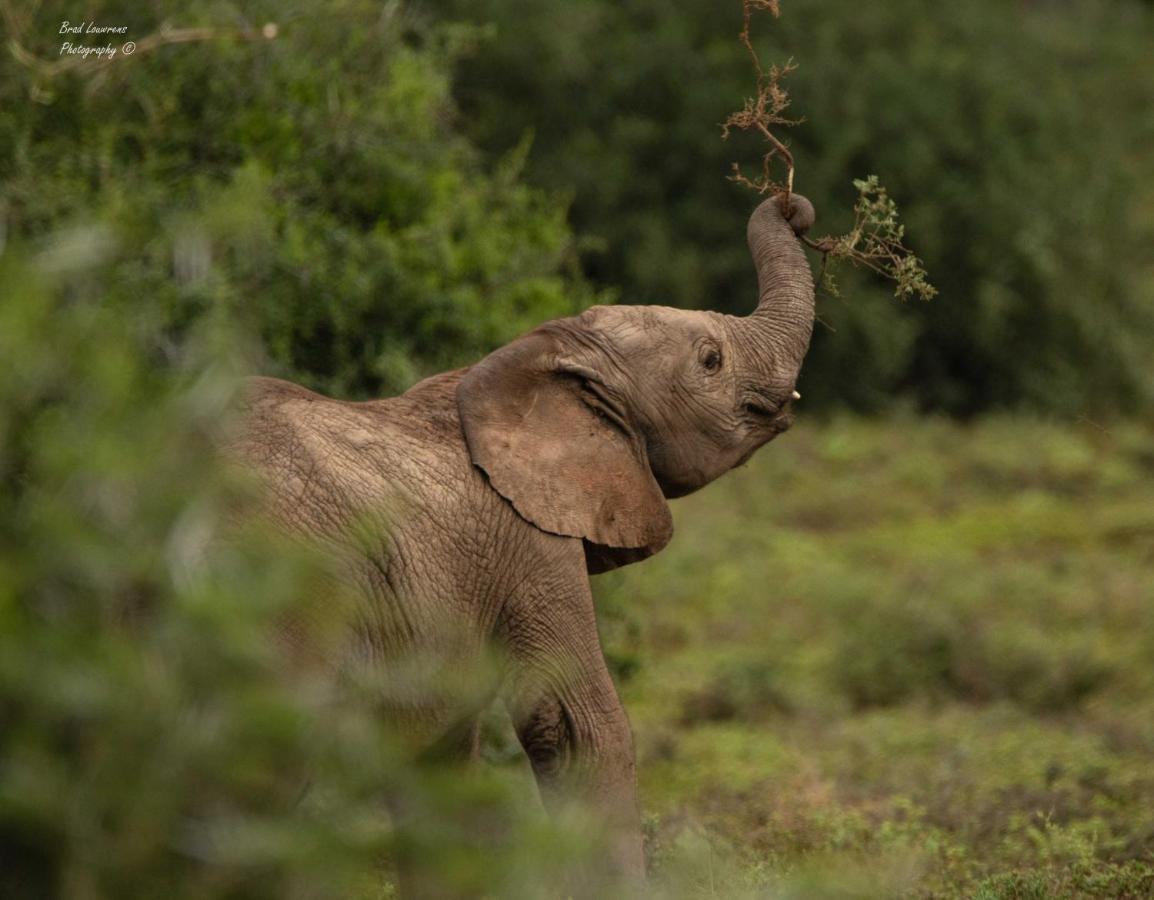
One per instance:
(906, 657)
(155, 737)
(310, 187)
(323, 187)
(902, 656)
(1013, 137)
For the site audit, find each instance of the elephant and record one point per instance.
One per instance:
(470, 511)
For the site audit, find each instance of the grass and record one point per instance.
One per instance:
(902, 658)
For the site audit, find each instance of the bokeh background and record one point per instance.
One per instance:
(909, 650)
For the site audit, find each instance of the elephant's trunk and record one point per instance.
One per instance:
(784, 314)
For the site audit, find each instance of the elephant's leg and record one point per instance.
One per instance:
(587, 758)
(572, 725)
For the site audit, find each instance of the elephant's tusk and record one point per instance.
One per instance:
(796, 395)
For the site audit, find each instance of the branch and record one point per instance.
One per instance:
(764, 111)
(876, 240)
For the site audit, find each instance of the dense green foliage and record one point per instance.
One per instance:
(310, 186)
(1014, 138)
(157, 759)
(341, 213)
(155, 740)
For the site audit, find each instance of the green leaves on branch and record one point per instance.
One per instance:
(875, 243)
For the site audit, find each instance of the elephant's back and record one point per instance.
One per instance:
(388, 483)
(329, 462)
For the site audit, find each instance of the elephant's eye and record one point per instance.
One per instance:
(711, 359)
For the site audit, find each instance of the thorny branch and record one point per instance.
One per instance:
(764, 110)
(875, 241)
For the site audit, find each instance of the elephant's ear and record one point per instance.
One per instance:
(535, 426)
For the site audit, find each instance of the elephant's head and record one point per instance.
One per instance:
(587, 424)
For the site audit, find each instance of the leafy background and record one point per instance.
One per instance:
(909, 650)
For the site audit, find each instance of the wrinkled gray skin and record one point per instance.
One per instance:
(489, 494)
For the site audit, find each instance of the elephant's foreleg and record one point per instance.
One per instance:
(574, 730)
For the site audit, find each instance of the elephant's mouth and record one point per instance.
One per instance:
(762, 410)
(758, 410)
(763, 424)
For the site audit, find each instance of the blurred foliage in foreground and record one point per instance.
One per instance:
(902, 658)
(1014, 137)
(155, 740)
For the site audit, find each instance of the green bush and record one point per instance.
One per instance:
(1131, 881)
(748, 690)
(893, 653)
(151, 743)
(156, 738)
(313, 187)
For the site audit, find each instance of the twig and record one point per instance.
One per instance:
(876, 240)
(764, 111)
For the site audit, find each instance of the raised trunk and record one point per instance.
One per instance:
(784, 314)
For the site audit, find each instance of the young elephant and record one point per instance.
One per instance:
(489, 495)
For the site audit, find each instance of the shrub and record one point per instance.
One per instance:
(891, 652)
(155, 738)
(312, 186)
